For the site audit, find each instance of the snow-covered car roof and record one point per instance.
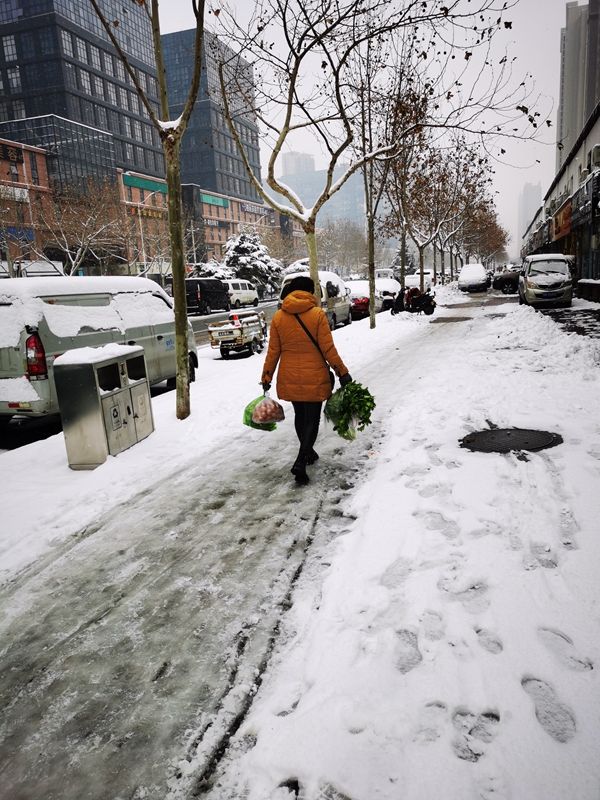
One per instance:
(358, 288)
(471, 269)
(324, 276)
(387, 285)
(52, 287)
(550, 257)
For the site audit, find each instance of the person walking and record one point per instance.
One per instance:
(301, 343)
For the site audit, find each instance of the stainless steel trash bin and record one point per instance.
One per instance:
(104, 400)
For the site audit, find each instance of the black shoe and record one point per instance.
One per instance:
(312, 457)
(299, 471)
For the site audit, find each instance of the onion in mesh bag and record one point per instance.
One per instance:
(268, 410)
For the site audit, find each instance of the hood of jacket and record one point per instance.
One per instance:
(298, 302)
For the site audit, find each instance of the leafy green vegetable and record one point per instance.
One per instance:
(349, 409)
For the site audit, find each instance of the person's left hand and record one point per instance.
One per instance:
(347, 378)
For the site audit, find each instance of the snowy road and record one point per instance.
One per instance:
(420, 622)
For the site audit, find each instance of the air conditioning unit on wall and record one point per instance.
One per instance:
(584, 175)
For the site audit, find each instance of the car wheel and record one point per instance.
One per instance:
(237, 304)
(348, 319)
(227, 306)
(255, 303)
(224, 354)
(506, 288)
(253, 347)
(207, 308)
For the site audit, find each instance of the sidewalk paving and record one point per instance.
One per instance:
(441, 632)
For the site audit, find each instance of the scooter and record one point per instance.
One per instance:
(414, 301)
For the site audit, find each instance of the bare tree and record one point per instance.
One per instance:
(170, 133)
(83, 224)
(301, 52)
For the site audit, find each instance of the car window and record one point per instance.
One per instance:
(142, 308)
(72, 314)
(548, 267)
(235, 285)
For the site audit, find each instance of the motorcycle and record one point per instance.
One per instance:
(415, 302)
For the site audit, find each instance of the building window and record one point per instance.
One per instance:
(33, 168)
(137, 130)
(109, 66)
(97, 86)
(111, 93)
(18, 109)
(84, 80)
(80, 49)
(14, 173)
(10, 48)
(128, 149)
(3, 112)
(123, 104)
(71, 75)
(95, 57)
(101, 119)
(14, 79)
(126, 126)
(129, 194)
(46, 41)
(87, 112)
(67, 43)
(120, 70)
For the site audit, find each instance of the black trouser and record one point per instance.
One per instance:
(306, 422)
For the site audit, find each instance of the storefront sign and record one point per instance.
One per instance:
(562, 221)
(9, 152)
(14, 193)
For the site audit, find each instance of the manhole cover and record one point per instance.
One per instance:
(451, 319)
(505, 440)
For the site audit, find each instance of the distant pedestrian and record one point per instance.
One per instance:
(303, 376)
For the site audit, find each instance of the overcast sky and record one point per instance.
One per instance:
(535, 41)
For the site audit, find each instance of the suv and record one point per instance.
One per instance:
(241, 293)
(204, 294)
(336, 303)
(546, 279)
(41, 318)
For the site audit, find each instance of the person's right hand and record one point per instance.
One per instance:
(266, 386)
(347, 378)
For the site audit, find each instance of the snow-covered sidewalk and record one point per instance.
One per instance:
(445, 642)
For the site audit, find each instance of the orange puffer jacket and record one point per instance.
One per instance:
(302, 374)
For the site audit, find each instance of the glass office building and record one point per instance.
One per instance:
(56, 59)
(209, 156)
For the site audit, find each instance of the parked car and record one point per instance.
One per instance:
(506, 281)
(359, 297)
(241, 293)
(547, 279)
(389, 288)
(41, 318)
(473, 278)
(335, 296)
(413, 281)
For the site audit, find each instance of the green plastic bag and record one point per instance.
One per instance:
(247, 419)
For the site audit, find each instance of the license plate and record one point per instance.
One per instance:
(549, 294)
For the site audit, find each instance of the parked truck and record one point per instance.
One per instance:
(241, 332)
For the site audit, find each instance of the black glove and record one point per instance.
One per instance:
(266, 386)
(347, 378)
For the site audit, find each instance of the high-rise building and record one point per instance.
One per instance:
(57, 63)
(209, 154)
(530, 201)
(348, 203)
(579, 74)
(297, 163)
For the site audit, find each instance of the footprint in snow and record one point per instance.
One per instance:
(434, 490)
(540, 555)
(397, 573)
(431, 722)
(489, 640)
(471, 593)
(555, 717)
(432, 625)
(407, 653)
(563, 648)
(473, 732)
(434, 521)
(568, 529)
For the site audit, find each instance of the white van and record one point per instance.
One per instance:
(335, 296)
(241, 293)
(41, 318)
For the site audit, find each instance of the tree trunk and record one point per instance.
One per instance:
(371, 267)
(434, 263)
(313, 257)
(422, 269)
(182, 399)
(443, 265)
(403, 258)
